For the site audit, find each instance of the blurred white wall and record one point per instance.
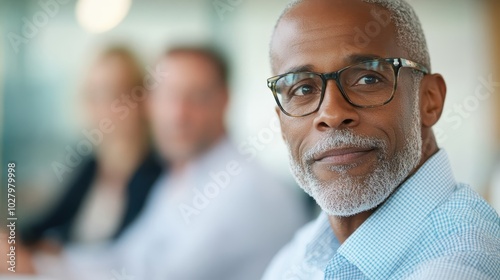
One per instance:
(457, 34)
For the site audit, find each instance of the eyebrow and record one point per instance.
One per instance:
(356, 58)
(352, 59)
(301, 68)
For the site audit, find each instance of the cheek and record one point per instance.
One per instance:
(206, 114)
(295, 133)
(392, 121)
(196, 122)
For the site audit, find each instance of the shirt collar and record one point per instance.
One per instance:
(221, 152)
(323, 244)
(383, 238)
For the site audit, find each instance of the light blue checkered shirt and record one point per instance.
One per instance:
(431, 228)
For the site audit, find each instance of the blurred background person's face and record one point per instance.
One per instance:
(110, 81)
(187, 108)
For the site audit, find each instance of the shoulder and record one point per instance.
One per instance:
(250, 179)
(465, 240)
(466, 211)
(459, 266)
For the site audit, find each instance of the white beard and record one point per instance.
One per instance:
(348, 195)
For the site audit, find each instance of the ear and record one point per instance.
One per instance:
(432, 98)
(280, 115)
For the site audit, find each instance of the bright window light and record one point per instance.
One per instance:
(97, 16)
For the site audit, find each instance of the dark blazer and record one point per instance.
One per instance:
(59, 222)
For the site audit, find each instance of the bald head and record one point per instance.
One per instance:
(396, 15)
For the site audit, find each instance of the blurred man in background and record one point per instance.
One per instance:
(214, 215)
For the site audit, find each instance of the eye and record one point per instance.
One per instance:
(368, 80)
(304, 90)
(299, 86)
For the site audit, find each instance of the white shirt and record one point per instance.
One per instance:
(91, 226)
(223, 218)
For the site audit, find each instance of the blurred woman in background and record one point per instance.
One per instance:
(111, 187)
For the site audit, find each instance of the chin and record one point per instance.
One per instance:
(331, 173)
(349, 206)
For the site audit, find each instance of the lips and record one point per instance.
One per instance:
(342, 156)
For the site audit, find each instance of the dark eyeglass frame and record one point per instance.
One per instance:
(397, 64)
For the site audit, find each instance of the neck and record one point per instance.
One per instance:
(343, 227)
(118, 160)
(179, 165)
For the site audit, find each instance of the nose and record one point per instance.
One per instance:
(335, 111)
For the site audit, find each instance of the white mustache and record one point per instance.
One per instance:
(343, 139)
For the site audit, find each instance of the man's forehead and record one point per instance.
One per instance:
(187, 62)
(336, 30)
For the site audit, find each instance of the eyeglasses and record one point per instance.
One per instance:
(367, 84)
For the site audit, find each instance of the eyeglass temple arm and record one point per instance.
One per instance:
(414, 65)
